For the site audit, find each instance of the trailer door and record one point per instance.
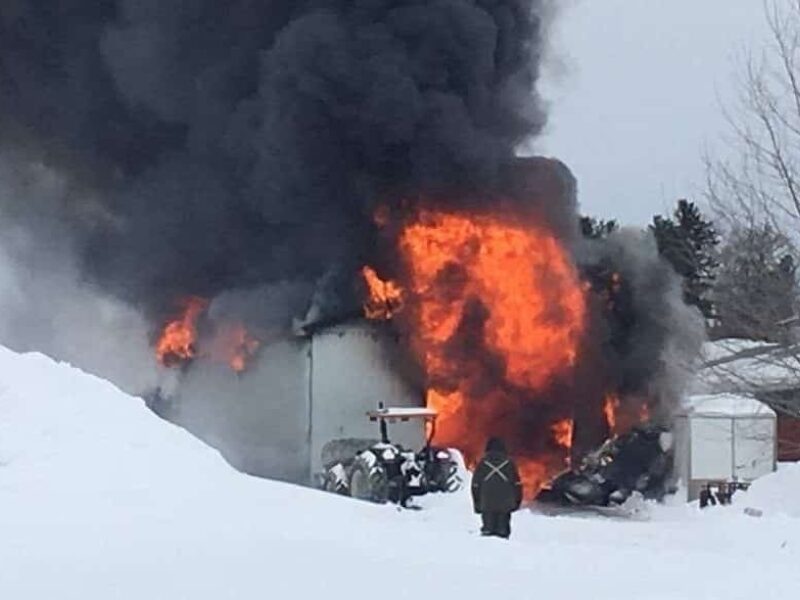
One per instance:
(754, 447)
(712, 448)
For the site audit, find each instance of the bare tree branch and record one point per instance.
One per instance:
(754, 192)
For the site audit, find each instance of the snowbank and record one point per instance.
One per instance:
(775, 494)
(100, 499)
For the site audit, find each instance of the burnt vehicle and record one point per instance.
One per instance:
(639, 461)
(381, 471)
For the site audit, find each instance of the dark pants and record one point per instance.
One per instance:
(497, 524)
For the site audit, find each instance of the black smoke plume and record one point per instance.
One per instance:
(223, 145)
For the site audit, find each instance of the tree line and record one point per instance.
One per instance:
(738, 258)
(743, 280)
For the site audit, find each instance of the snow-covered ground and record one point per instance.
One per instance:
(100, 499)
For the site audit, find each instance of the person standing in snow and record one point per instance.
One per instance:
(496, 489)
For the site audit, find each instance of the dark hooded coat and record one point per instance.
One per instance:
(496, 486)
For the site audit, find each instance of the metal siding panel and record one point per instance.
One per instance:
(350, 376)
(754, 448)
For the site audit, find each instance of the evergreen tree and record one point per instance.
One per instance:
(594, 229)
(688, 242)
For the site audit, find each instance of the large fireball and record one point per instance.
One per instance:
(496, 312)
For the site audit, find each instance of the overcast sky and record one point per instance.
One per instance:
(638, 97)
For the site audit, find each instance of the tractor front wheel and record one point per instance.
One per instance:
(443, 472)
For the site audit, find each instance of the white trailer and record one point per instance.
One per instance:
(723, 439)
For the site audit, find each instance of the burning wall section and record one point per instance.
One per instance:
(497, 313)
(295, 395)
(517, 339)
(514, 326)
(184, 339)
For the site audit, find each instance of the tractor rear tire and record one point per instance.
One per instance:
(451, 479)
(368, 480)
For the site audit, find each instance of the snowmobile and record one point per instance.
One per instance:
(639, 461)
(380, 471)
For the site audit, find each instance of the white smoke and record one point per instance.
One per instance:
(45, 304)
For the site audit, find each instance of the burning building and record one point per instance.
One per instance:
(296, 395)
(228, 168)
(497, 319)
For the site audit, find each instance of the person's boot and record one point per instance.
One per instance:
(486, 529)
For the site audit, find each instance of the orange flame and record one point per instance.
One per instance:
(234, 346)
(616, 284)
(177, 343)
(534, 474)
(385, 297)
(562, 433)
(623, 416)
(514, 290)
(610, 407)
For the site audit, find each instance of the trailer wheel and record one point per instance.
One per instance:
(368, 479)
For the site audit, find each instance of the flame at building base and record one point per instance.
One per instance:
(177, 342)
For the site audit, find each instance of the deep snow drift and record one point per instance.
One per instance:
(775, 494)
(100, 499)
